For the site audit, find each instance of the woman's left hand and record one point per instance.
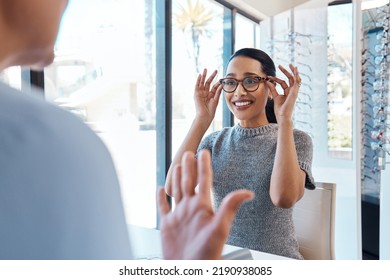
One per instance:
(284, 103)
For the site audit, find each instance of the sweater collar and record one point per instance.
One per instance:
(255, 131)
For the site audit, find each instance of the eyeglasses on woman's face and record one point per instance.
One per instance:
(249, 83)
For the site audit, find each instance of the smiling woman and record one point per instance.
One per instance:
(272, 160)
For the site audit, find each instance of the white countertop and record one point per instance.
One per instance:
(146, 244)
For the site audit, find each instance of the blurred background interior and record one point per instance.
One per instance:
(128, 68)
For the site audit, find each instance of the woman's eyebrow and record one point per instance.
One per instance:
(245, 74)
(250, 74)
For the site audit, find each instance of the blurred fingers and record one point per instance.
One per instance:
(188, 174)
(203, 77)
(229, 207)
(176, 183)
(205, 173)
(197, 84)
(162, 201)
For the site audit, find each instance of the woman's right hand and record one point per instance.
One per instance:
(206, 98)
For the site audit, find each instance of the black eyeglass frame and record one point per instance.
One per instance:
(260, 79)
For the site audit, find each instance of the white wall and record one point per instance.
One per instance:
(274, 7)
(264, 9)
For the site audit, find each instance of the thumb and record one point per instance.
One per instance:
(229, 207)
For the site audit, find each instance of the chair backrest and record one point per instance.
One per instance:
(314, 219)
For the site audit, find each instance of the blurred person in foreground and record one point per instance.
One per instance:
(59, 193)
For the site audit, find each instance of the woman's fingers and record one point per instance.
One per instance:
(202, 78)
(290, 77)
(210, 79)
(281, 82)
(216, 90)
(293, 79)
(203, 85)
(272, 87)
(296, 75)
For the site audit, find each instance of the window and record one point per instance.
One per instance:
(104, 72)
(340, 81)
(197, 43)
(12, 76)
(247, 33)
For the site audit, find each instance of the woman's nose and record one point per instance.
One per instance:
(240, 90)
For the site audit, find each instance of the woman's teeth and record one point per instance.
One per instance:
(242, 103)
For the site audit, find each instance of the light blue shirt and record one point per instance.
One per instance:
(59, 192)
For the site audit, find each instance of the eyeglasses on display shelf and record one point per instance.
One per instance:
(375, 111)
(296, 48)
(305, 96)
(306, 66)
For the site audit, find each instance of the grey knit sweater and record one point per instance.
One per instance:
(244, 158)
